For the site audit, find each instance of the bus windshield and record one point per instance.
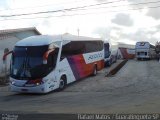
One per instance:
(27, 62)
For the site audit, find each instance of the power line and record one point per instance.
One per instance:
(47, 5)
(153, 7)
(81, 8)
(122, 5)
(62, 10)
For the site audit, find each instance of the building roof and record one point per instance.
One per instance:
(19, 30)
(124, 45)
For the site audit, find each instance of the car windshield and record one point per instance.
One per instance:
(27, 62)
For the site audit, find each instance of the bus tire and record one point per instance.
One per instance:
(62, 83)
(94, 70)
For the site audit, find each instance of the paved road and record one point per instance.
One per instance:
(134, 89)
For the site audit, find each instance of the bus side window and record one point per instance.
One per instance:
(72, 48)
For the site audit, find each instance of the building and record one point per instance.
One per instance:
(9, 37)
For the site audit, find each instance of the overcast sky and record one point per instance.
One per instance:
(117, 20)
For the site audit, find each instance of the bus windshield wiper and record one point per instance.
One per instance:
(27, 68)
(20, 70)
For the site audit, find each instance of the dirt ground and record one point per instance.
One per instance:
(134, 89)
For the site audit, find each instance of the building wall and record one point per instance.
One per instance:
(8, 41)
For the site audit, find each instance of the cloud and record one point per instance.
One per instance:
(110, 33)
(123, 20)
(141, 35)
(102, 32)
(101, 0)
(154, 13)
(4, 4)
(119, 34)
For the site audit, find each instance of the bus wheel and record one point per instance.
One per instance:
(94, 70)
(62, 83)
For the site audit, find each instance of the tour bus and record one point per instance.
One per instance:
(40, 64)
(144, 50)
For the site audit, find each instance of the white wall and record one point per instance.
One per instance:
(6, 43)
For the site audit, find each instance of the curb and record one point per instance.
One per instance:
(116, 69)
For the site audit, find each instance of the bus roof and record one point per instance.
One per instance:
(142, 42)
(48, 39)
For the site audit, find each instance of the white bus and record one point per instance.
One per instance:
(44, 63)
(144, 50)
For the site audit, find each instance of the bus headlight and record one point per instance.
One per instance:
(12, 82)
(37, 84)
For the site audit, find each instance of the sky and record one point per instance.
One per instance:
(118, 21)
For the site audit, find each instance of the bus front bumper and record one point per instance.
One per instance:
(34, 89)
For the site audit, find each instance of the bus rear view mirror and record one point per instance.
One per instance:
(6, 54)
(45, 56)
